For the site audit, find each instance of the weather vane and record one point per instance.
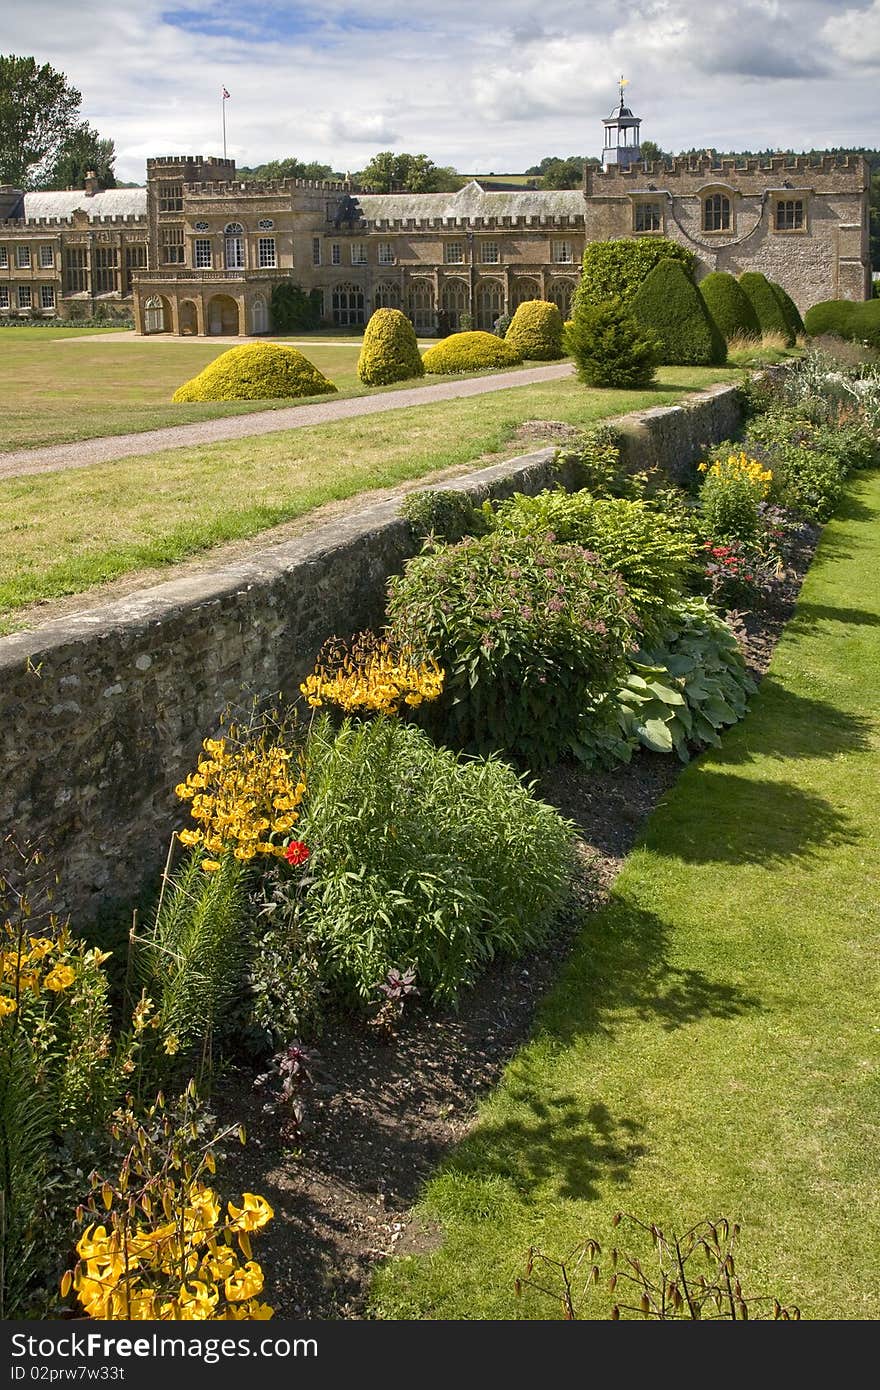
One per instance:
(623, 83)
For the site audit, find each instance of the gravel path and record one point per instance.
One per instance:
(117, 446)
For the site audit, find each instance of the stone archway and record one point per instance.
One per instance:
(189, 317)
(223, 316)
(157, 314)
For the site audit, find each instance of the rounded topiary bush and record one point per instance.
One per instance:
(390, 351)
(857, 321)
(256, 372)
(669, 304)
(610, 349)
(729, 305)
(469, 352)
(831, 316)
(771, 315)
(527, 632)
(789, 308)
(536, 331)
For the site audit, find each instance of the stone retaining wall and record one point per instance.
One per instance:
(103, 712)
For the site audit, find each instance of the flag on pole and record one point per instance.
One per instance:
(225, 94)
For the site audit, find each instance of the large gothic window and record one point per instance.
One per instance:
(348, 305)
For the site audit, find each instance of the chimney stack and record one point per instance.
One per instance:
(91, 185)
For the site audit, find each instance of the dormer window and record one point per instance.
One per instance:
(789, 215)
(716, 213)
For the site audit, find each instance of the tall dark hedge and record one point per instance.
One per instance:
(729, 305)
(771, 315)
(610, 348)
(669, 304)
(789, 308)
(615, 269)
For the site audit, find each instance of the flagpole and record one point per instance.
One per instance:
(223, 109)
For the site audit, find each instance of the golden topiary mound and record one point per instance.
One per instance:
(469, 352)
(390, 351)
(536, 331)
(256, 372)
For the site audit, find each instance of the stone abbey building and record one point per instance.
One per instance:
(197, 251)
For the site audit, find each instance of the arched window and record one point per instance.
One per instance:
(716, 213)
(560, 294)
(420, 305)
(154, 315)
(348, 305)
(234, 235)
(259, 315)
(454, 301)
(524, 290)
(490, 304)
(386, 295)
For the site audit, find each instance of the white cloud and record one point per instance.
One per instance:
(496, 86)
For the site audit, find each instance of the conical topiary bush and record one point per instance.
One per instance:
(390, 351)
(789, 308)
(771, 315)
(670, 305)
(729, 305)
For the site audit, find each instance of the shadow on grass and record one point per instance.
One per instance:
(741, 820)
(785, 725)
(620, 972)
(809, 614)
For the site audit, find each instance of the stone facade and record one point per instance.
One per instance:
(198, 251)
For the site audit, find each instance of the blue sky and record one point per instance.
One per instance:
(489, 87)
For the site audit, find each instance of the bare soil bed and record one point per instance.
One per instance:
(383, 1115)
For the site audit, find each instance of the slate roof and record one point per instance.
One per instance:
(111, 202)
(473, 201)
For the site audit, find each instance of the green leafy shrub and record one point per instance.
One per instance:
(501, 325)
(295, 310)
(808, 461)
(535, 331)
(256, 372)
(469, 352)
(679, 693)
(769, 311)
(527, 632)
(789, 308)
(390, 351)
(648, 550)
(848, 319)
(729, 305)
(615, 269)
(445, 514)
(668, 304)
(610, 348)
(421, 860)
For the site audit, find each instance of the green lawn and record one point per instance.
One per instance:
(58, 390)
(713, 1046)
(62, 533)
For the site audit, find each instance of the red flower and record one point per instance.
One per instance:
(296, 852)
